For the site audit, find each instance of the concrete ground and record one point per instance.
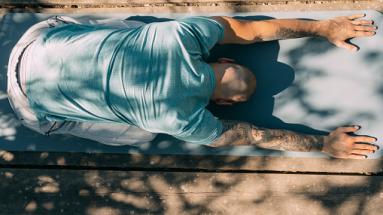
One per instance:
(107, 192)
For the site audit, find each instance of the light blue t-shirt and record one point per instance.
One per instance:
(153, 76)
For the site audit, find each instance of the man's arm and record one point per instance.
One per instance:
(340, 143)
(337, 30)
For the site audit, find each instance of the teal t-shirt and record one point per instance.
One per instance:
(153, 76)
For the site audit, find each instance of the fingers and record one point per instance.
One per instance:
(356, 16)
(366, 146)
(364, 139)
(361, 151)
(348, 46)
(357, 156)
(348, 129)
(365, 28)
(362, 22)
(364, 33)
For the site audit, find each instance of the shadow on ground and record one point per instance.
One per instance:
(38, 191)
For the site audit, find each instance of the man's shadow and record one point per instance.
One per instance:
(272, 78)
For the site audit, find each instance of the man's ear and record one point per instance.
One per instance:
(225, 60)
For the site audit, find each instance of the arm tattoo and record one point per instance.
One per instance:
(234, 133)
(287, 33)
(242, 133)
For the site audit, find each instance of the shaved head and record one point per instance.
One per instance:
(234, 83)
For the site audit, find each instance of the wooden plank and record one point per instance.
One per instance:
(288, 6)
(210, 163)
(181, 5)
(137, 6)
(126, 192)
(138, 2)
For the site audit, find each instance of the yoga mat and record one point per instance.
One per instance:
(305, 85)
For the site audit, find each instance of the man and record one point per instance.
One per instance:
(154, 77)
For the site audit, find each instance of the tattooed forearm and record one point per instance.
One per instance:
(287, 33)
(286, 140)
(288, 29)
(234, 133)
(242, 133)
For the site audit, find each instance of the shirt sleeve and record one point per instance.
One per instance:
(206, 31)
(203, 128)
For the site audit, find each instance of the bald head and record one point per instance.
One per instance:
(234, 83)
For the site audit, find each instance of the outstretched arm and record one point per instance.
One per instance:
(341, 143)
(337, 30)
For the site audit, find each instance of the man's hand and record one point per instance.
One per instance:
(340, 29)
(343, 143)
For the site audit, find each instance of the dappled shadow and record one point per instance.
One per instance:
(372, 56)
(93, 192)
(120, 191)
(106, 192)
(99, 192)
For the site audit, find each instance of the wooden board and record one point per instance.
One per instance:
(137, 2)
(189, 162)
(41, 191)
(181, 6)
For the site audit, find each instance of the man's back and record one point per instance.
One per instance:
(151, 76)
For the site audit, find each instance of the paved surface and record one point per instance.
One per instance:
(42, 191)
(189, 162)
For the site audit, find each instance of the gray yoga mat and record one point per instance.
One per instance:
(306, 85)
